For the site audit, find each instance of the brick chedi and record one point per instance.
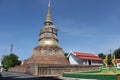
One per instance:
(48, 50)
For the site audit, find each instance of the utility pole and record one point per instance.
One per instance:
(111, 54)
(11, 48)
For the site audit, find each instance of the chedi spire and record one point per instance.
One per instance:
(48, 19)
(48, 34)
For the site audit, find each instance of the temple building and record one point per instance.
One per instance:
(83, 58)
(118, 63)
(48, 50)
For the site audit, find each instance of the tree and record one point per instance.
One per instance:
(117, 53)
(66, 54)
(10, 60)
(109, 59)
(101, 55)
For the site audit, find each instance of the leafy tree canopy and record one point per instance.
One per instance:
(10, 60)
(65, 54)
(101, 55)
(117, 53)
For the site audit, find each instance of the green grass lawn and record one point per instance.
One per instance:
(102, 74)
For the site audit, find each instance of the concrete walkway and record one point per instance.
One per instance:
(21, 76)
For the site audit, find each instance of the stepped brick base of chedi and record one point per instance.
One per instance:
(47, 55)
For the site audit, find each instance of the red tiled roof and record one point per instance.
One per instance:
(117, 60)
(86, 56)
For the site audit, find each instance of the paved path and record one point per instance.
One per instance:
(20, 76)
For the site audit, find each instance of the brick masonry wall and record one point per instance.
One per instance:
(21, 68)
(41, 70)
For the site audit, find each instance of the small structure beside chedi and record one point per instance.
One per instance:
(84, 58)
(118, 63)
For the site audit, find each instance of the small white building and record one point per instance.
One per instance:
(118, 63)
(84, 58)
(1, 67)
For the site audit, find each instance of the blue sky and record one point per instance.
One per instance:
(84, 25)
